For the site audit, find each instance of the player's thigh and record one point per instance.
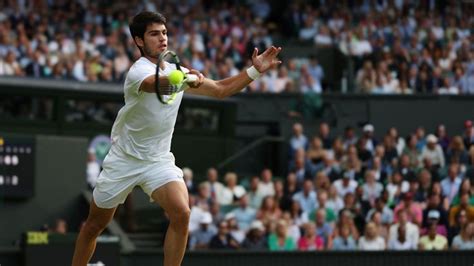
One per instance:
(98, 217)
(173, 198)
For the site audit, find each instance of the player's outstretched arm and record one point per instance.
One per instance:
(232, 85)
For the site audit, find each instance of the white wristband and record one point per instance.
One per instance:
(253, 73)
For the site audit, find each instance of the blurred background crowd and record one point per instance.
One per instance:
(395, 46)
(345, 192)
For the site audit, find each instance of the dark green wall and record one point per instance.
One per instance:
(60, 178)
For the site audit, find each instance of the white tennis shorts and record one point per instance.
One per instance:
(122, 172)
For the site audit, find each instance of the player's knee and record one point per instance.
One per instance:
(180, 215)
(94, 227)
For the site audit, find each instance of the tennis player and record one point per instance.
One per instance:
(141, 141)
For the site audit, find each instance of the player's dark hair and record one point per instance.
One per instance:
(141, 21)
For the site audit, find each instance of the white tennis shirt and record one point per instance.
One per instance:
(144, 126)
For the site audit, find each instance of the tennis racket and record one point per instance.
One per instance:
(165, 91)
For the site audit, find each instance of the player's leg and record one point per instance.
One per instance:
(173, 198)
(96, 222)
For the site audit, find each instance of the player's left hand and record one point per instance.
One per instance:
(198, 82)
(266, 60)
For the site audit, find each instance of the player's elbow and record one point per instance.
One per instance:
(220, 94)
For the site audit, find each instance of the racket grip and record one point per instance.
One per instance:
(191, 78)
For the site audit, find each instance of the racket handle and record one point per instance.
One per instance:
(190, 78)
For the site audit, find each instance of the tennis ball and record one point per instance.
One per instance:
(176, 77)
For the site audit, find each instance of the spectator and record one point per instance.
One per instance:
(294, 231)
(412, 151)
(344, 242)
(200, 238)
(232, 192)
(244, 214)
(266, 186)
(188, 179)
(255, 239)
(437, 190)
(60, 227)
(346, 219)
(397, 186)
(325, 135)
(216, 188)
(434, 216)
(310, 240)
(235, 231)
(315, 151)
(434, 204)
(443, 138)
(349, 137)
(302, 167)
(371, 188)
(93, 169)
(298, 140)
(433, 151)
(412, 231)
(413, 209)
(464, 188)
(379, 170)
(382, 228)
(456, 153)
(371, 142)
(346, 184)
(425, 183)
(255, 198)
(279, 241)
(433, 241)
(383, 209)
(299, 217)
(202, 199)
(463, 205)
(405, 169)
(323, 228)
(371, 239)
(223, 239)
(307, 197)
(334, 202)
(322, 197)
(465, 239)
(468, 135)
(401, 242)
(450, 184)
(269, 211)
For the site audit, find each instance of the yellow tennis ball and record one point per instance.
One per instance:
(176, 77)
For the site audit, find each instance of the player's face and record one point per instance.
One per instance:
(156, 40)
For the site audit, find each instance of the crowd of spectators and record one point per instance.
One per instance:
(345, 192)
(397, 46)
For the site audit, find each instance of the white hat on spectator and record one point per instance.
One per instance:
(431, 138)
(257, 224)
(206, 218)
(433, 214)
(369, 128)
(229, 216)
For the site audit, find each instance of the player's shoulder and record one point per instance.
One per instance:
(142, 62)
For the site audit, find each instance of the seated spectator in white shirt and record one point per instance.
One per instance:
(412, 231)
(401, 242)
(266, 186)
(345, 185)
(371, 239)
(433, 151)
(232, 192)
